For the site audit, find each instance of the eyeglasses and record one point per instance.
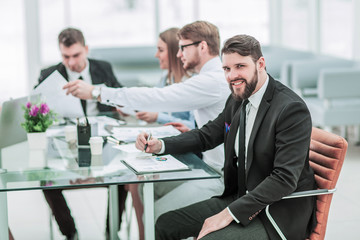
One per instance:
(184, 46)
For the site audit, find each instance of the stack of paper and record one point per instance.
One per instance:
(129, 134)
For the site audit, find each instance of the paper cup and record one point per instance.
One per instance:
(70, 133)
(96, 145)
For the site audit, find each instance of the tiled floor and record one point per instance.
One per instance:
(29, 216)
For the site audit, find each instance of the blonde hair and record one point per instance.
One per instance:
(172, 42)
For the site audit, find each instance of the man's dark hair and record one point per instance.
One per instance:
(70, 36)
(244, 45)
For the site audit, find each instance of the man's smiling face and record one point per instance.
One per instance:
(241, 74)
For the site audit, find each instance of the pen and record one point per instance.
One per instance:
(113, 140)
(148, 139)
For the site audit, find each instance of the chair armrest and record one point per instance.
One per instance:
(310, 193)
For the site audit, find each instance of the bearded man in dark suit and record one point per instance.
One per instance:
(266, 130)
(76, 65)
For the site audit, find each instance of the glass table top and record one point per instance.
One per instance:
(71, 167)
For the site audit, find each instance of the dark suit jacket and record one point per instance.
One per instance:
(100, 71)
(277, 160)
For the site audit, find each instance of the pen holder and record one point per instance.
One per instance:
(84, 157)
(84, 133)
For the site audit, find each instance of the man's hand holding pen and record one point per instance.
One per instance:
(153, 145)
(147, 140)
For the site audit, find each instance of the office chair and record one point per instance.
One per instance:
(327, 154)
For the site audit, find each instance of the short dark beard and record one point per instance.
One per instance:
(249, 88)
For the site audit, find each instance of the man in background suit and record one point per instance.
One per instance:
(76, 65)
(265, 128)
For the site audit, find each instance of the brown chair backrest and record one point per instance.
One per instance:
(327, 154)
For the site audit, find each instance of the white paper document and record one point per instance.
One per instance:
(102, 122)
(127, 110)
(128, 148)
(152, 164)
(56, 98)
(129, 134)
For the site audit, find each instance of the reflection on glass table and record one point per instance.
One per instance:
(68, 166)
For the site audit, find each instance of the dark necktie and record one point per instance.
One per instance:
(241, 157)
(83, 102)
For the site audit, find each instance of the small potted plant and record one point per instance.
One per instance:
(38, 117)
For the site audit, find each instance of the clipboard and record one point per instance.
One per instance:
(154, 164)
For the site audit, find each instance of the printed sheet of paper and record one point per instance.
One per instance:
(128, 148)
(151, 164)
(129, 134)
(102, 122)
(53, 94)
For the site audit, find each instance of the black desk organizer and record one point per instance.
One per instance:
(83, 132)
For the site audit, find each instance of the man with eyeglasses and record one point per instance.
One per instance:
(205, 93)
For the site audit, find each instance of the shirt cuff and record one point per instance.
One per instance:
(162, 150)
(108, 95)
(232, 215)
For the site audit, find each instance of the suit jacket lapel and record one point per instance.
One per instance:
(96, 76)
(62, 71)
(263, 108)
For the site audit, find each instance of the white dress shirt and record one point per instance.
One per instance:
(91, 105)
(251, 110)
(205, 93)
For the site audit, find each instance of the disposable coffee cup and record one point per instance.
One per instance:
(70, 133)
(96, 145)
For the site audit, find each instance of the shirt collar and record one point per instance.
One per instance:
(75, 75)
(256, 98)
(211, 64)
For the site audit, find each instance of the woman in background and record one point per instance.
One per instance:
(167, 48)
(11, 237)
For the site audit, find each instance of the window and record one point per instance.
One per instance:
(337, 28)
(176, 13)
(12, 47)
(295, 19)
(104, 23)
(237, 17)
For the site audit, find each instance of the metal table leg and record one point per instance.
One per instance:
(4, 234)
(149, 211)
(114, 211)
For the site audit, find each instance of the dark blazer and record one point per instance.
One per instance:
(277, 160)
(100, 71)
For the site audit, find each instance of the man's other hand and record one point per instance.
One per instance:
(179, 126)
(79, 89)
(216, 222)
(149, 117)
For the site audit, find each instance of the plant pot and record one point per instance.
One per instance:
(37, 140)
(37, 149)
